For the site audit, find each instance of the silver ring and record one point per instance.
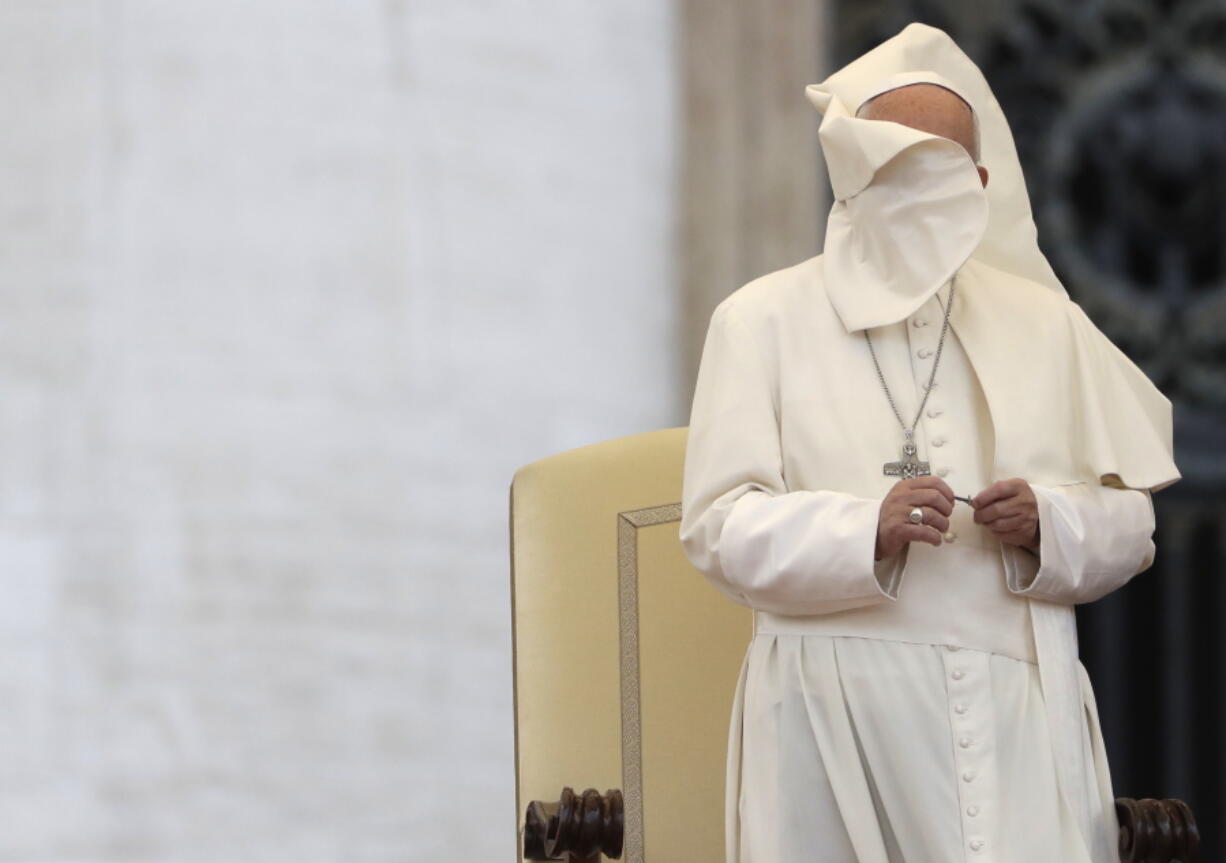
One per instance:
(917, 515)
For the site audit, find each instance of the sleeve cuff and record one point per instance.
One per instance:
(889, 571)
(1092, 540)
(806, 552)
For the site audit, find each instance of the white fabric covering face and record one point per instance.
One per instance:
(1010, 240)
(905, 233)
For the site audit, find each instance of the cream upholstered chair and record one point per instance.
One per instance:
(625, 657)
(625, 662)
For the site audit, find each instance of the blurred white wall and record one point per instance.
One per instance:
(287, 292)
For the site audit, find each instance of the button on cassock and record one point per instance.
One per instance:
(972, 726)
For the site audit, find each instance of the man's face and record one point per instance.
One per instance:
(930, 108)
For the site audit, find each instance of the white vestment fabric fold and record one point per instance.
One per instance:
(849, 749)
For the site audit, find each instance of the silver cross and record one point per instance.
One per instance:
(910, 466)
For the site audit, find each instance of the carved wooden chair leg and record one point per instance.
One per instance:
(581, 828)
(1161, 831)
(576, 828)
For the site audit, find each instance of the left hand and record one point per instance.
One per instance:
(1009, 508)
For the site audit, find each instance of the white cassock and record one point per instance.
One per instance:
(930, 706)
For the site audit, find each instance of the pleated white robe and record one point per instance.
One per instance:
(824, 724)
(892, 710)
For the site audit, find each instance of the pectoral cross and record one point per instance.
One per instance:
(910, 466)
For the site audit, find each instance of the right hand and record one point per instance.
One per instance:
(894, 527)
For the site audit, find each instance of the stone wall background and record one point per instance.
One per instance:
(287, 293)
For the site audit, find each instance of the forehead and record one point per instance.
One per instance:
(919, 91)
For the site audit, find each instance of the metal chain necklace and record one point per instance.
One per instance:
(910, 465)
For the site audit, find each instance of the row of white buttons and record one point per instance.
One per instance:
(924, 353)
(966, 742)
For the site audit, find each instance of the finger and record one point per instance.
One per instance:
(987, 514)
(934, 482)
(930, 517)
(1000, 509)
(933, 498)
(987, 496)
(902, 515)
(922, 533)
(998, 490)
(1014, 524)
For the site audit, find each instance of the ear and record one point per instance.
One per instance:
(983, 174)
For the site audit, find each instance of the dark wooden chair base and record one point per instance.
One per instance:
(1157, 831)
(579, 828)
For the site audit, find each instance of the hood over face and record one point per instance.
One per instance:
(909, 210)
(880, 247)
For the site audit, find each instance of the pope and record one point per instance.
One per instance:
(913, 689)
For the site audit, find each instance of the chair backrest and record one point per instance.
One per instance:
(625, 657)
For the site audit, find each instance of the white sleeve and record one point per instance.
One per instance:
(1092, 540)
(798, 552)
